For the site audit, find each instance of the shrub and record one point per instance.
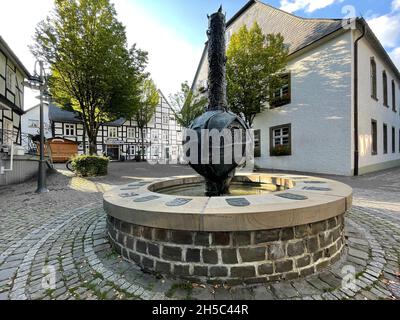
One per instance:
(89, 166)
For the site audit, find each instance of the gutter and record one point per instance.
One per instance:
(356, 142)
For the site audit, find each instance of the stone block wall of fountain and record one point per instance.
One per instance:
(292, 232)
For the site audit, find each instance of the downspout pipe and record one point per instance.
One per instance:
(356, 142)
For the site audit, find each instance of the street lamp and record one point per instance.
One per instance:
(37, 82)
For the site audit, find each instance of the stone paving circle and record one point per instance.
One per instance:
(55, 246)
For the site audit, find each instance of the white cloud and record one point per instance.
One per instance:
(386, 27)
(172, 59)
(306, 5)
(396, 5)
(395, 55)
(17, 26)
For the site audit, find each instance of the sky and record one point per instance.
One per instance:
(174, 31)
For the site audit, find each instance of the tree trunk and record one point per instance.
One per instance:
(92, 142)
(92, 146)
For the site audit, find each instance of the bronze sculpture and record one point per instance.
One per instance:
(218, 174)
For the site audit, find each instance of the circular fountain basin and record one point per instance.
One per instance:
(272, 226)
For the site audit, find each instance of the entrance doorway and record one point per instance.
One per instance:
(113, 152)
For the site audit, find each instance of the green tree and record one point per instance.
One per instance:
(255, 63)
(150, 98)
(187, 105)
(92, 70)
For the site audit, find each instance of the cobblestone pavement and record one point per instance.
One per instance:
(61, 236)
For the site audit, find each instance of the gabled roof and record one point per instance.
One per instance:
(13, 57)
(56, 114)
(297, 32)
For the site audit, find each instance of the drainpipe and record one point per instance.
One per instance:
(356, 143)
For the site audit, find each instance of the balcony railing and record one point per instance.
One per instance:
(27, 141)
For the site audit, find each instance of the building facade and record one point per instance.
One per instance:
(12, 76)
(121, 139)
(30, 123)
(338, 112)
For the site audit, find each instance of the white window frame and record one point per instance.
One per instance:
(130, 133)
(112, 132)
(155, 135)
(279, 93)
(165, 119)
(67, 129)
(278, 134)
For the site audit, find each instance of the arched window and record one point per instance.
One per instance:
(394, 96)
(373, 79)
(385, 89)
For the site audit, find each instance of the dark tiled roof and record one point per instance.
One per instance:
(56, 114)
(298, 32)
(116, 123)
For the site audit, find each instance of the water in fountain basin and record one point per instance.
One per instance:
(236, 189)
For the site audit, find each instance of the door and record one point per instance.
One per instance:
(167, 153)
(132, 152)
(113, 152)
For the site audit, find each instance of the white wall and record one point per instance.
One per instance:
(371, 109)
(34, 114)
(319, 113)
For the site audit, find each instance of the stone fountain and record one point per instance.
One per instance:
(245, 228)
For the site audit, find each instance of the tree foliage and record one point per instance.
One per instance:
(146, 108)
(187, 105)
(92, 70)
(255, 63)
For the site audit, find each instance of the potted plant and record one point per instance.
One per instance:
(281, 150)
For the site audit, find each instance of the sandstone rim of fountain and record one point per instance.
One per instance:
(307, 200)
